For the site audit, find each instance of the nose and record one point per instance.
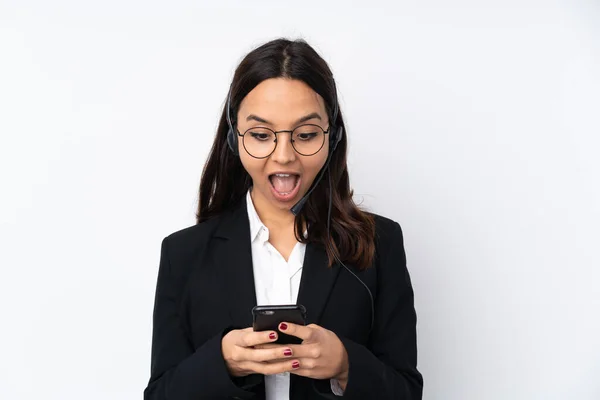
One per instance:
(284, 151)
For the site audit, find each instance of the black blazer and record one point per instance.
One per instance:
(205, 288)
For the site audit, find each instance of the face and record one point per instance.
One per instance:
(283, 177)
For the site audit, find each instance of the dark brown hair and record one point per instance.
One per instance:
(224, 180)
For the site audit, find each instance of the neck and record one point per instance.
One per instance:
(272, 217)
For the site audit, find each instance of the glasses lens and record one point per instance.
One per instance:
(308, 139)
(259, 142)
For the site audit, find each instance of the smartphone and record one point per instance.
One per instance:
(266, 318)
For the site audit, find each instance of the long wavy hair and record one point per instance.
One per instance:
(224, 180)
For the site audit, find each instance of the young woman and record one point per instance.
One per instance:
(276, 224)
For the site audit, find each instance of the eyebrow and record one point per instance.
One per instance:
(303, 119)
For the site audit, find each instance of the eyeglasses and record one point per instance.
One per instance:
(260, 142)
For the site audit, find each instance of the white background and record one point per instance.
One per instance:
(473, 124)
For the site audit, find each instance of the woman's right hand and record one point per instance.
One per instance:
(243, 359)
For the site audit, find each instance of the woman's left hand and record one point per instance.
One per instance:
(321, 355)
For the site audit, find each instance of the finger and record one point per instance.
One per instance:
(271, 354)
(267, 355)
(268, 346)
(250, 338)
(306, 367)
(300, 331)
(270, 368)
(306, 350)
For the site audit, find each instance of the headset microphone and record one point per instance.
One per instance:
(298, 206)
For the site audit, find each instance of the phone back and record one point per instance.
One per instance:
(269, 317)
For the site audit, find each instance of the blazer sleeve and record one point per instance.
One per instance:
(178, 371)
(388, 370)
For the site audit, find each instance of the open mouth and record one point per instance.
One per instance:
(284, 186)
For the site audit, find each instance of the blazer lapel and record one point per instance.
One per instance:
(234, 255)
(316, 282)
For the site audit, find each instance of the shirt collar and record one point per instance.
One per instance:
(255, 223)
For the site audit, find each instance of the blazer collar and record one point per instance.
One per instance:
(235, 260)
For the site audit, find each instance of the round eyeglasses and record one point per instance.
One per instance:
(260, 142)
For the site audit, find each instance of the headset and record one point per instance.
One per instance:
(335, 136)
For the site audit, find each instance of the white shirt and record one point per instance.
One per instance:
(276, 281)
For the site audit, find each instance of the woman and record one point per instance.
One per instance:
(281, 147)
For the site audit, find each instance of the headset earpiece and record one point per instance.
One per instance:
(336, 133)
(336, 137)
(232, 137)
(232, 141)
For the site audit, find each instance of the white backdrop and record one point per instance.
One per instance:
(474, 125)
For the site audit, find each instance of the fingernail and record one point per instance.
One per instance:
(287, 352)
(295, 365)
(272, 335)
(283, 326)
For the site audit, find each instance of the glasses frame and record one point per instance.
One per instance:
(275, 140)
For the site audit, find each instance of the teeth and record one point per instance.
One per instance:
(282, 175)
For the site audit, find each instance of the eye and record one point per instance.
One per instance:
(260, 134)
(307, 135)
